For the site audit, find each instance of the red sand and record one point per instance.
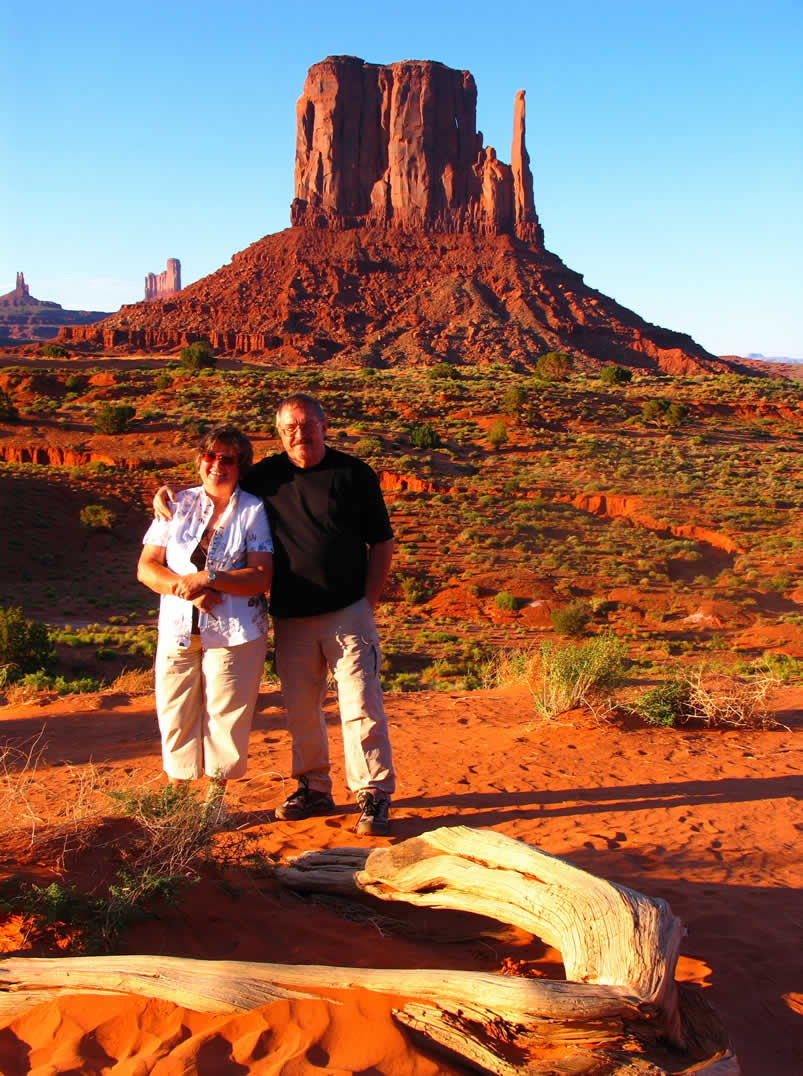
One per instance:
(708, 820)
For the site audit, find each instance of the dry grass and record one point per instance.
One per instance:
(17, 773)
(730, 701)
(133, 682)
(20, 694)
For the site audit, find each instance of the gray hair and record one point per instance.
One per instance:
(301, 399)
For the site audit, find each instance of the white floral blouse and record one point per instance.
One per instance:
(243, 528)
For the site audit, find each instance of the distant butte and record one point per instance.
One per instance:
(24, 319)
(411, 243)
(163, 285)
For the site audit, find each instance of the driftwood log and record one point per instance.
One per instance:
(620, 1009)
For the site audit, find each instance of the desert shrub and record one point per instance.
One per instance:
(25, 646)
(162, 381)
(173, 832)
(513, 400)
(197, 356)
(368, 446)
(615, 375)
(113, 418)
(8, 411)
(781, 667)
(562, 677)
(54, 351)
(441, 371)
(98, 517)
(176, 829)
(415, 590)
(33, 683)
(424, 435)
(666, 704)
(730, 701)
(505, 601)
(573, 620)
(497, 434)
(666, 412)
(73, 382)
(554, 365)
(721, 700)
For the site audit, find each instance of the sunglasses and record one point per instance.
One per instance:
(223, 458)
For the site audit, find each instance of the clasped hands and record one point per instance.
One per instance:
(194, 588)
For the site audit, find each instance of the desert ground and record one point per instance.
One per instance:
(681, 541)
(709, 820)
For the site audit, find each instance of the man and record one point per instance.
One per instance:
(333, 546)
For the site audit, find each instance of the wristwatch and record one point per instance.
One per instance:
(212, 575)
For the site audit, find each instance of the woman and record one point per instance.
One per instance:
(211, 563)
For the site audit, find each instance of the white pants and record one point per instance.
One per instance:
(346, 642)
(205, 702)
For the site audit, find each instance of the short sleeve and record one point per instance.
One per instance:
(258, 538)
(158, 533)
(376, 522)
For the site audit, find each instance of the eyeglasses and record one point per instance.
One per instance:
(223, 458)
(302, 427)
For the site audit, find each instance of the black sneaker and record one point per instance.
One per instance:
(304, 803)
(374, 807)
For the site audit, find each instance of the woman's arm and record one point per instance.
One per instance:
(152, 569)
(254, 578)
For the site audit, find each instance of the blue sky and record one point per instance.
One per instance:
(666, 141)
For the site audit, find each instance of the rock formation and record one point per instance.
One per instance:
(20, 296)
(411, 243)
(24, 319)
(398, 145)
(162, 285)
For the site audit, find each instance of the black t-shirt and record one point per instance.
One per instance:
(322, 519)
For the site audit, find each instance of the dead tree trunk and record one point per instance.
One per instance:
(619, 1006)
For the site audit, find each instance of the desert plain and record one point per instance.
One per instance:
(537, 510)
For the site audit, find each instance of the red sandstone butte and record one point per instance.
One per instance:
(398, 145)
(411, 243)
(162, 285)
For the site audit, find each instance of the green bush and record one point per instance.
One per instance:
(441, 371)
(98, 517)
(25, 646)
(8, 412)
(424, 435)
(575, 674)
(615, 375)
(505, 601)
(45, 681)
(665, 704)
(666, 412)
(554, 365)
(197, 356)
(513, 400)
(573, 620)
(497, 434)
(415, 591)
(113, 418)
(162, 381)
(54, 351)
(368, 446)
